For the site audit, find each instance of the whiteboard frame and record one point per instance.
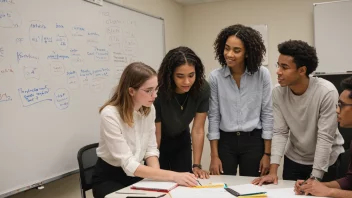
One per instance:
(315, 4)
(36, 185)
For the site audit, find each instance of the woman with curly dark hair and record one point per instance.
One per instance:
(183, 97)
(240, 111)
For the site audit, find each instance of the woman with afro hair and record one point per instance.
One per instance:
(240, 110)
(183, 96)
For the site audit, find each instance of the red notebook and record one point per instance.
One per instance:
(158, 186)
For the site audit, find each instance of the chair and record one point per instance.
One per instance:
(87, 157)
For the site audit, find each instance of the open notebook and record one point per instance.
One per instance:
(154, 186)
(246, 189)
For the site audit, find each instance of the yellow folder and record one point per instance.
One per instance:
(210, 186)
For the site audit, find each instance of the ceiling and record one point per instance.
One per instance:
(190, 2)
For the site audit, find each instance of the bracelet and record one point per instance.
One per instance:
(315, 178)
(197, 166)
(268, 154)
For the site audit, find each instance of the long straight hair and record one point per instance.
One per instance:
(133, 76)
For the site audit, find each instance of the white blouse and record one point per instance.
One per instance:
(124, 146)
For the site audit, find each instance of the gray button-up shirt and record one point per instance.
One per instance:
(240, 109)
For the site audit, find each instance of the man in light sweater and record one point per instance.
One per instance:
(305, 121)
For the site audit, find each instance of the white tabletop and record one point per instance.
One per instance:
(229, 180)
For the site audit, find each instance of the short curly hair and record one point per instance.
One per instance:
(253, 43)
(346, 84)
(173, 59)
(302, 53)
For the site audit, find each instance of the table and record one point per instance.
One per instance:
(229, 180)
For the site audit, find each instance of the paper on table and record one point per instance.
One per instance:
(184, 192)
(124, 193)
(154, 185)
(285, 192)
(245, 189)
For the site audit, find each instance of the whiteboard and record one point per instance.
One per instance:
(332, 36)
(59, 62)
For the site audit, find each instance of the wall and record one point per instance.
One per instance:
(286, 19)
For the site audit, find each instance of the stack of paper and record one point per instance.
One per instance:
(154, 185)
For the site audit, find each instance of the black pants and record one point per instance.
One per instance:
(107, 179)
(243, 149)
(295, 171)
(176, 152)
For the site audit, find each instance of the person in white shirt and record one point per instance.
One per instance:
(127, 135)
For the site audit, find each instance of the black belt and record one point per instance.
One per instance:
(255, 132)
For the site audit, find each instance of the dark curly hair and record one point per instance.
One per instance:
(302, 53)
(346, 84)
(253, 43)
(173, 59)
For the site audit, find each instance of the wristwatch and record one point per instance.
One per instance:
(315, 178)
(268, 154)
(197, 166)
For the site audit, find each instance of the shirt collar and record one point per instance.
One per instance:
(227, 71)
(137, 113)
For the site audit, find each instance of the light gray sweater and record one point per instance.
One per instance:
(307, 125)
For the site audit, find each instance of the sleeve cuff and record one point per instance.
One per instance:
(213, 135)
(275, 159)
(318, 173)
(267, 135)
(131, 168)
(152, 153)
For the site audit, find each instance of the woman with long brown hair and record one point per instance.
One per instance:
(127, 135)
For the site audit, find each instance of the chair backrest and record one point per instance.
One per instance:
(87, 157)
